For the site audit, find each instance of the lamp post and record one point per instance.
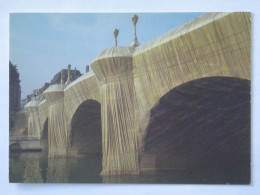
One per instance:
(135, 42)
(116, 32)
(61, 77)
(68, 79)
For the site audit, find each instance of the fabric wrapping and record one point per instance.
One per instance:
(57, 131)
(132, 80)
(34, 129)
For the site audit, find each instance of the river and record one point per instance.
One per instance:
(36, 167)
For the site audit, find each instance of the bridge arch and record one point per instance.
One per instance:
(85, 130)
(15, 147)
(200, 125)
(80, 90)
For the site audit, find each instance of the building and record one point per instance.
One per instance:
(74, 74)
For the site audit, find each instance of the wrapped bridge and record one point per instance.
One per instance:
(149, 107)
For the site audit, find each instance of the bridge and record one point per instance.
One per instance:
(148, 108)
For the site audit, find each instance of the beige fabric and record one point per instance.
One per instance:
(43, 112)
(62, 104)
(43, 115)
(80, 90)
(34, 129)
(215, 44)
(57, 131)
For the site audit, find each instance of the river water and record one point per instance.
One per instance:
(36, 167)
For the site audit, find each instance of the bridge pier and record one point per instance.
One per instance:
(31, 109)
(119, 130)
(57, 128)
(43, 115)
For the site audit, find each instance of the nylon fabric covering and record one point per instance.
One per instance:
(34, 129)
(43, 112)
(43, 116)
(220, 47)
(83, 89)
(120, 140)
(215, 44)
(80, 90)
(57, 129)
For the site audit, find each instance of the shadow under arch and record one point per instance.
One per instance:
(86, 131)
(15, 147)
(201, 129)
(44, 136)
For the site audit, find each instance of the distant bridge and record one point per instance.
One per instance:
(116, 109)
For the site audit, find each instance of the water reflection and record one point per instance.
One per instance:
(32, 172)
(58, 170)
(36, 167)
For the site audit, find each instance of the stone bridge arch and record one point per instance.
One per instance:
(200, 125)
(61, 103)
(215, 44)
(82, 103)
(80, 90)
(134, 79)
(85, 130)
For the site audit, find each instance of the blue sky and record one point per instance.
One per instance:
(42, 44)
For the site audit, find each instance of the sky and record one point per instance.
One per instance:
(41, 44)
